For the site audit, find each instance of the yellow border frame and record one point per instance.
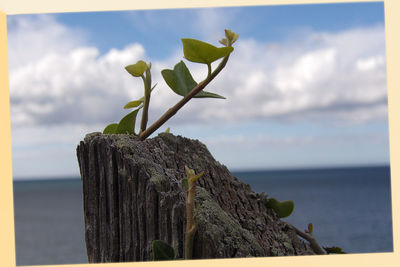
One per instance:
(392, 22)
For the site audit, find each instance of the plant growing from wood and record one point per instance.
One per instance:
(162, 250)
(181, 82)
(178, 79)
(308, 235)
(189, 183)
(284, 209)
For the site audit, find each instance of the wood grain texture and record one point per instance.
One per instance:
(133, 195)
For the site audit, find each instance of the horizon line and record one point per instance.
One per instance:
(299, 168)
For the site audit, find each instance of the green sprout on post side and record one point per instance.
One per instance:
(189, 183)
(161, 249)
(283, 209)
(308, 235)
(334, 250)
(178, 79)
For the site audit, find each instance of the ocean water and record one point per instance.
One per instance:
(349, 208)
(49, 227)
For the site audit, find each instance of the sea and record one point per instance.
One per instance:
(348, 207)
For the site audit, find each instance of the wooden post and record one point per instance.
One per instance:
(133, 195)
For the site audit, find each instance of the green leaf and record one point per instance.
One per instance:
(152, 88)
(168, 130)
(283, 209)
(231, 36)
(310, 229)
(127, 124)
(334, 250)
(185, 184)
(189, 172)
(137, 69)
(162, 251)
(110, 129)
(201, 52)
(224, 41)
(134, 103)
(194, 179)
(181, 81)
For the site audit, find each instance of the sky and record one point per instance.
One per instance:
(305, 86)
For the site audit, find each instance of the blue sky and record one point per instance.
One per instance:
(305, 86)
(277, 23)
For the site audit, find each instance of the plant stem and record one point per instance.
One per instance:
(171, 112)
(313, 242)
(191, 223)
(209, 69)
(145, 111)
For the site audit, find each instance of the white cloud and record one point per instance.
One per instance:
(61, 88)
(47, 151)
(209, 22)
(298, 80)
(79, 86)
(32, 37)
(370, 63)
(320, 76)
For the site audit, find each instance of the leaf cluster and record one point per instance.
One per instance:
(180, 81)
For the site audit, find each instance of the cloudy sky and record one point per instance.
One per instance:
(305, 85)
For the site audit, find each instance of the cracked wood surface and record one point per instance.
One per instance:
(133, 195)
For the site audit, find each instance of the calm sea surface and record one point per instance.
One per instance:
(349, 208)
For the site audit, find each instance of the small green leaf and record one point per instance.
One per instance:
(201, 52)
(137, 69)
(134, 103)
(184, 182)
(283, 209)
(224, 41)
(189, 172)
(231, 36)
(205, 94)
(194, 179)
(110, 129)
(162, 251)
(334, 250)
(127, 124)
(152, 88)
(181, 81)
(168, 130)
(310, 229)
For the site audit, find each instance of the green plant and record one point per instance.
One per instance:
(189, 184)
(334, 250)
(162, 251)
(310, 229)
(308, 235)
(283, 209)
(178, 79)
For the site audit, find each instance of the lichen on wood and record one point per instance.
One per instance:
(133, 195)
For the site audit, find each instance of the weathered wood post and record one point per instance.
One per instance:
(133, 195)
